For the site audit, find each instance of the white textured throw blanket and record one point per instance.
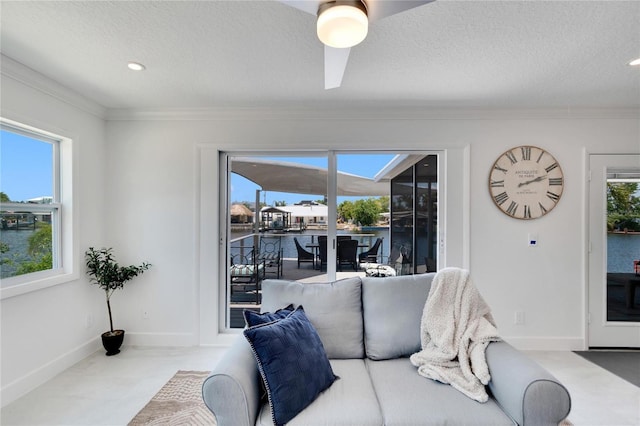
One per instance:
(456, 328)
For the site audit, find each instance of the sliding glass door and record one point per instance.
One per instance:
(321, 216)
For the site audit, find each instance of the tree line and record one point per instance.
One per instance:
(365, 211)
(623, 206)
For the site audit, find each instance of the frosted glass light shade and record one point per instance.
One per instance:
(342, 26)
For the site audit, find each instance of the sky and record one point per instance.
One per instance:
(365, 165)
(26, 167)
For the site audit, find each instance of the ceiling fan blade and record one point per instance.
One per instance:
(377, 10)
(335, 62)
(309, 6)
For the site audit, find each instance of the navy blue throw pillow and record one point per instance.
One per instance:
(292, 363)
(252, 318)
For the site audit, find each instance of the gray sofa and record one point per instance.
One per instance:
(369, 327)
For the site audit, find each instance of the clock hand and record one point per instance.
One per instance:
(538, 179)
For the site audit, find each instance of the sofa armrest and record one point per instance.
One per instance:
(525, 390)
(232, 391)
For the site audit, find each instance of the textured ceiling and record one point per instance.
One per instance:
(446, 54)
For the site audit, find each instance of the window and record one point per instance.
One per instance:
(32, 212)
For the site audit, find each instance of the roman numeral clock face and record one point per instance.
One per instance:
(526, 182)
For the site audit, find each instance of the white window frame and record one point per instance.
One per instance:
(64, 245)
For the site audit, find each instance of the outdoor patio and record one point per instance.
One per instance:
(306, 274)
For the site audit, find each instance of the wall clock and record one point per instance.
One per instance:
(526, 182)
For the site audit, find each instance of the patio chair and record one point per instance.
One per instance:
(246, 272)
(303, 255)
(371, 255)
(322, 250)
(348, 253)
(342, 238)
(271, 254)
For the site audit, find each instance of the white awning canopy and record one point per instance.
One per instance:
(298, 178)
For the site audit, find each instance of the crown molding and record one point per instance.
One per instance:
(29, 77)
(367, 113)
(15, 70)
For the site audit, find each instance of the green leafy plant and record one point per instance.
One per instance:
(365, 212)
(623, 206)
(103, 270)
(39, 251)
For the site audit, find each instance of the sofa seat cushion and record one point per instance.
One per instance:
(349, 401)
(392, 310)
(334, 309)
(406, 398)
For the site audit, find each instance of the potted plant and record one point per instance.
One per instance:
(105, 271)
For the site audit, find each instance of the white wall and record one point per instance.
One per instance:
(139, 191)
(154, 162)
(45, 331)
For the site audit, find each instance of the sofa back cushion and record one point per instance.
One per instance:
(392, 310)
(334, 309)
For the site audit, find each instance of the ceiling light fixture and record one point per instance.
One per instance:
(635, 62)
(342, 24)
(135, 66)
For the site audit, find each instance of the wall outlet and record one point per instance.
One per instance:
(144, 314)
(519, 318)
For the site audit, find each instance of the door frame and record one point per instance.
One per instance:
(597, 315)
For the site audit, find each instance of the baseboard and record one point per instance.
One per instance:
(41, 375)
(547, 343)
(160, 339)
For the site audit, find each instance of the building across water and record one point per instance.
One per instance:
(296, 217)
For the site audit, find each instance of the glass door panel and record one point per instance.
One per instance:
(277, 213)
(623, 245)
(363, 194)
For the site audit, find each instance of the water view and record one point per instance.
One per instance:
(18, 243)
(622, 250)
(305, 237)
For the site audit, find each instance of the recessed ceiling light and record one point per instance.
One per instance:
(135, 66)
(635, 62)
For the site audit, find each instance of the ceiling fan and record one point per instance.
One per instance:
(343, 24)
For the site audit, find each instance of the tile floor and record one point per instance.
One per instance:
(111, 390)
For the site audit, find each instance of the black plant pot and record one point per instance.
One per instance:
(112, 341)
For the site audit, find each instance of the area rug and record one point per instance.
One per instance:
(179, 402)
(624, 364)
